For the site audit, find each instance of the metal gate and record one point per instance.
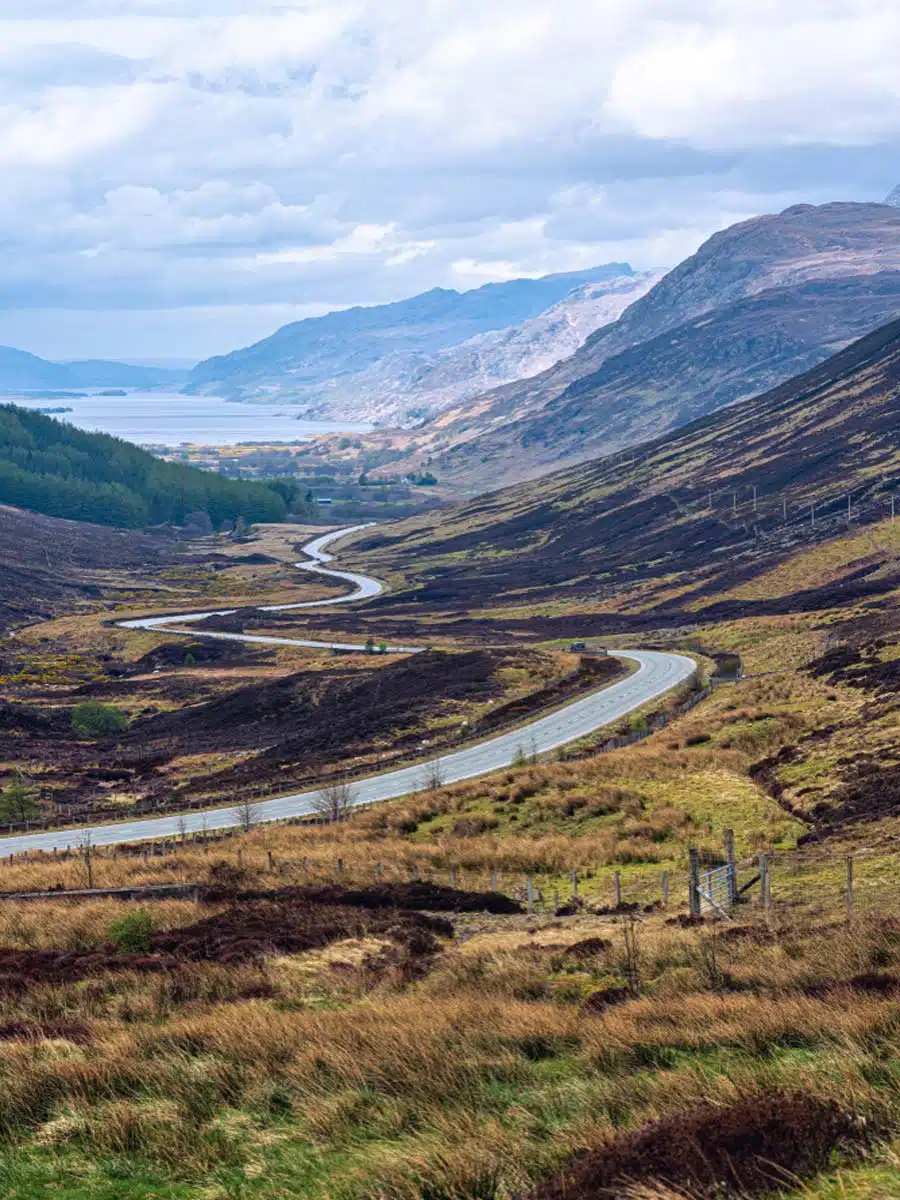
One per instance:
(717, 890)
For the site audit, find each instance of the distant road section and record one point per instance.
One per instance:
(656, 673)
(365, 589)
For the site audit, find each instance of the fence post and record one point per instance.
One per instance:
(765, 893)
(849, 889)
(694, 885)
(665, 889)
(617, 888)
(574, 884)
(378, 870)
(269, 861)
(340, 866)
(493, 881)
(732, 870)
(453, 877)
(555, 900)
(529, 891)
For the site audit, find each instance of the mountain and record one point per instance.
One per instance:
(893, 198)
(23, 372)
(315, 362)
(704, 501)
(757, 303)
(404, 387)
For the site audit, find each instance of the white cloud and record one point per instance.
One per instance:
(183, 154)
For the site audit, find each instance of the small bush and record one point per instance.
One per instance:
(131, 934)
(697, 739)
(94, 719)
(473, 826)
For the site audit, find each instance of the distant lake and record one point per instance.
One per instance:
(156, 418)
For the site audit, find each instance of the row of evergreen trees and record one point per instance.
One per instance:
(53, 468)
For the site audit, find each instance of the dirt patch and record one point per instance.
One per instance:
(246, 933)
(749, 1148)
(264, 928)
(67, 1031)
(410, 897)
(871, 791)
(598, 1002)
(589, 948)
(870, 983)
(858, 667)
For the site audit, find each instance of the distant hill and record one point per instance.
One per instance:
(757, 303)
(681, 503)
(23, 372)
(324, 362)
(52, 468)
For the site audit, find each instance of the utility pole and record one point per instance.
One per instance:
(734, 504)
(784, 509)
(754, 499)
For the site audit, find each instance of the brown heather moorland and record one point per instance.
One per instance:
(342, 1013)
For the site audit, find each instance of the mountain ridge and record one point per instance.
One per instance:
(767, 263)
(19, 369)
(299, 362)
(731, 483)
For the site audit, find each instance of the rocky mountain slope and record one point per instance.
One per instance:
(23, 372)
(386, 362)
(403, 388)
(757, 303)
(721, 491)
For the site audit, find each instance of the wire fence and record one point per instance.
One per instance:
(778, 887)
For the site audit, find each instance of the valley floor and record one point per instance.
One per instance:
(316, 1023)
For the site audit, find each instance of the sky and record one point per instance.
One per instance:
(181, 177)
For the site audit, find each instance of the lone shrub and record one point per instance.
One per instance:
(131, 934)
(94, 719)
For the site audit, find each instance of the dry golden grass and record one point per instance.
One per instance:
(487, 1069)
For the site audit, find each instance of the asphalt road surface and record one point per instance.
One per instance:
(364, 589)
(656, 673)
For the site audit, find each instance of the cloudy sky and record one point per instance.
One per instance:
(182, 176)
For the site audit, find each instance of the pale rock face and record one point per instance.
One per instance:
(403, 389)
(397, 363)
(893, 198)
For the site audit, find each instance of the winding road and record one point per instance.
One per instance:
(656, 673)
